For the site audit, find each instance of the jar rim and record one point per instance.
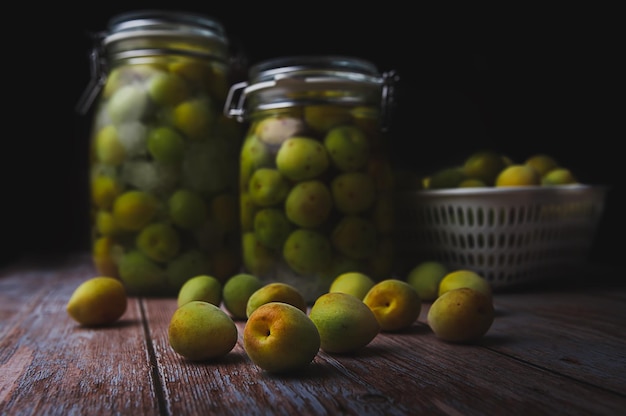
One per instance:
(141, 23)
(313, 65)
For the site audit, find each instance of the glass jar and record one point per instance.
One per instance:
(315, 180)
(163, 156)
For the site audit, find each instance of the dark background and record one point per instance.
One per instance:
(486, 79)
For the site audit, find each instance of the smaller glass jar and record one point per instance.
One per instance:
(163, 156)
(315, 181)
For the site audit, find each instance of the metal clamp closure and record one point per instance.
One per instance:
(236, 94)
(98, 72)
(388, 97)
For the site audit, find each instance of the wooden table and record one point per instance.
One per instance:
(548, 352)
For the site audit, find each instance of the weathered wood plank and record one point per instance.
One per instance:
(51, 365)
(443, 378)
(570, 333)
(27, 282)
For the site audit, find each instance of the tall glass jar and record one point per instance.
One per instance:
(315, 181)
(163, 156)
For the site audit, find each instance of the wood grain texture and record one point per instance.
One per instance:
(552, 352)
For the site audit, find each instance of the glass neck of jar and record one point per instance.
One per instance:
(244, 99)
(137, 50)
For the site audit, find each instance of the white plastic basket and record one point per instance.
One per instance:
(511, 236)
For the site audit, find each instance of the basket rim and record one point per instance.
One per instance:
(510, 190)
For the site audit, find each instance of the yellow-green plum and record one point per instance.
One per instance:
(202, 287)
(338, 265)
(104, 190)
(195, 117)
(518, 175)
(353, 192)
(166, 145)
(348, 147)
(323, 117)
(128, 103)
(254, 155)
(103, 257)
(105, 223)
(236, 292)
(472, 183)
(280, 338)
(354, 283)
(344, 322)
(167, 89)
(558, 176)
(542, 163)
(116, 78)
(461, 315)
(275, 292)
(395, 304)
(267, 187)
(484, 165)
(258, 259)
(186, 265)
(98, 301)
(196, 73)
(159, 241)
(134, 209)
(108, 147)
(271, 227)
(247, 211)
(309, 203)
(355, 237)
(464, 278)
(307, 251)
(187, 209)
(275, 130)
(425, 278)
(141, 275)
(302, 158)
(200, 331)
(446, 178)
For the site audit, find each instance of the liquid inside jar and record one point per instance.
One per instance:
(163, 175)
(316, 196)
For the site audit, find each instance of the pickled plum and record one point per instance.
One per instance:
(134, 209)
(158, 241)
(355, 237)
(307, 251)
(187, 209)
(301, 158)
(141, 275)
(268, 187)
(353, 192)
(348, 148)
(271, 227)
(257, 258)
(275, 131)
(309, 204)
(166, 145)
(128, 103)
